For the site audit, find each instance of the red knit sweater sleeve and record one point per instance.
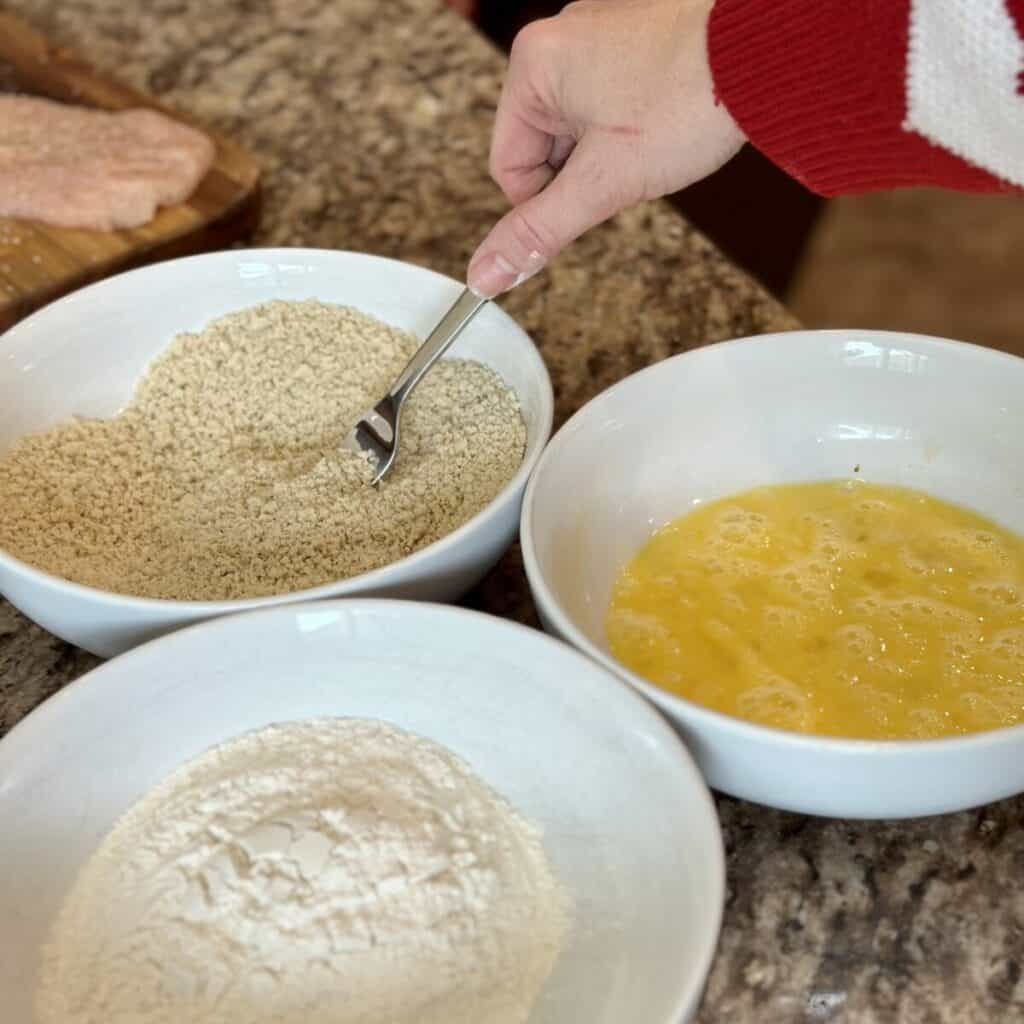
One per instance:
(824, 89)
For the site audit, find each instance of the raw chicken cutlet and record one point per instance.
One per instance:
(77, 167)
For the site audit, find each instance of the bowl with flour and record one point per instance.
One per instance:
(349, 812)
(170, 443)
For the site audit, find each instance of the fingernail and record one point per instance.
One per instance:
(494, 274)
(535, 263)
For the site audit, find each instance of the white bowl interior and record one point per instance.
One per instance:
(890, 408)
(84, 354)
(627, 820)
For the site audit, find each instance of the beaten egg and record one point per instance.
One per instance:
(842, 608)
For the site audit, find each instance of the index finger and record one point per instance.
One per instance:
(530, 140)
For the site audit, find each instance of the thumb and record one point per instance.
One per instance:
(584, 193)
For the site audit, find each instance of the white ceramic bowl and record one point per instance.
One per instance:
(85, 353)
(938, 415)
(628, 823)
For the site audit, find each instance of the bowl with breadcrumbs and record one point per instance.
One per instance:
(171, 443)
(807, 549)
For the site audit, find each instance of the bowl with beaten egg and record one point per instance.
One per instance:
(807, 549)
(171, 443)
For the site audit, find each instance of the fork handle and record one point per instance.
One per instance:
(465, 307)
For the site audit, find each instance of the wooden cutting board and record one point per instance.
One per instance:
(38, 263)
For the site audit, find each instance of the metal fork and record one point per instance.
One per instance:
(376, 433)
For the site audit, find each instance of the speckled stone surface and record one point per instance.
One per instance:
(371, 119)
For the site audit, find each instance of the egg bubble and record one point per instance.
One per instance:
(778, 702)
(1008, 700)
(868, 605)
(917, 560)
(961, 645)
(884, 709)
(998, 595)
(980, 709)
(857, 640)
(925, 723)
(784, 618)
(806, 580)
(736, 527)
(818, 568)
(638, 629)
(926, 612)
(974, 551)
(875, 506)
(1007, 645)
(988, 546)
(832, 550)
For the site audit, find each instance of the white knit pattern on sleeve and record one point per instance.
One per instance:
(962, 73)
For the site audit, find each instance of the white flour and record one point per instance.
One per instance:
(337, 870)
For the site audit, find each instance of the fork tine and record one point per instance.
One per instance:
(377, 432)
(376, 436)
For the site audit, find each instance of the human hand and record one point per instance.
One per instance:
(609, 103)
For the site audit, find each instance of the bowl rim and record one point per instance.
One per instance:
(684, 773)
(336, 588)
(690, 713)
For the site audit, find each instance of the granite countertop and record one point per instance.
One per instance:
(371, 119)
